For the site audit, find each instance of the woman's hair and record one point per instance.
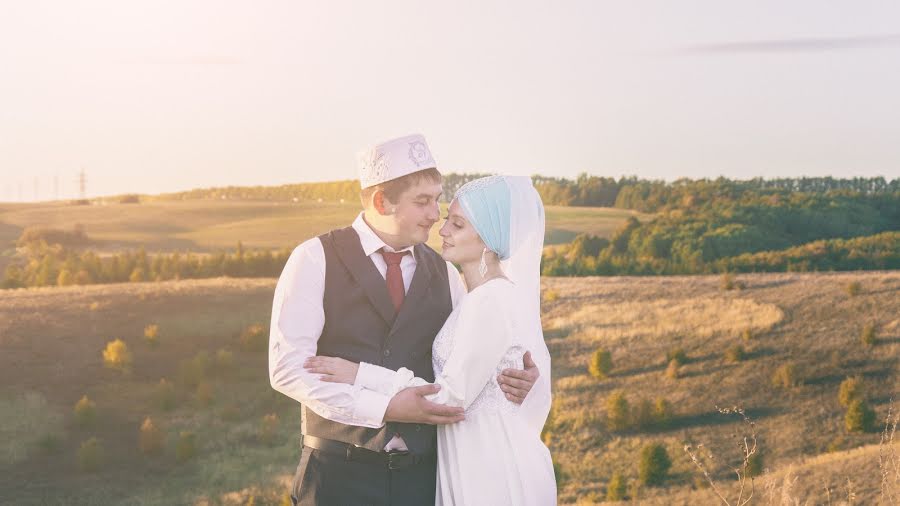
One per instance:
(395, 187)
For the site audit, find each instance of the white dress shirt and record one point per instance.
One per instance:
(298, 318)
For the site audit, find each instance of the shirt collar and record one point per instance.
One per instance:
(369, 239)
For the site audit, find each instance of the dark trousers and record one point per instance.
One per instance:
(332, 480)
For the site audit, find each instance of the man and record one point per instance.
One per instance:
(372, 292)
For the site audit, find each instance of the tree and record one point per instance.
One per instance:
(654, 465)
(601, 364)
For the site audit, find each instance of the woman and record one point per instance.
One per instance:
(494, 231)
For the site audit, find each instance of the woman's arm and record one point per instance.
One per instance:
(482, 335)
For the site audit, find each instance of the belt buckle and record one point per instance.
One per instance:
(396, 460)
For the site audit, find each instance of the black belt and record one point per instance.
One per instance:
(391, 460)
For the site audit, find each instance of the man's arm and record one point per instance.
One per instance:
(298, 318)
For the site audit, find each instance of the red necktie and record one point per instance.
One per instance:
(394, 277)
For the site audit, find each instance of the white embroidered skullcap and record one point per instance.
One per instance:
(394, 158)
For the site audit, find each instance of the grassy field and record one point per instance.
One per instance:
(50, 356)
(210, 225)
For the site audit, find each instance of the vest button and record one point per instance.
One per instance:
(387, 353)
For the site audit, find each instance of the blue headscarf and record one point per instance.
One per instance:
(486, 203)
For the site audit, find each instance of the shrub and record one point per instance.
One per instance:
(663, 412)
(617, 413)
(224, 361)
(85, 412)
(678, 355)
(730, 283)
(850, 390)
(654, 465)
(868, 336)
(755, 465)
(747, 335)
(268, 428)
(186, 448)
(165, 395)
(204, 394)
(735, 353)
(193, 371)
(853, 288)
(151, 439)
(860, 417)
(255, 338)
(560, 474)
(617, 488)
(151, 334)
(49, 444)
(786, 376)
(91, 455)
(674, 370)
(601, 364)
(116, 356)
(551, 295)
(137, 275)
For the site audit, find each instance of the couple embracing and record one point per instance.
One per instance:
(416, 388)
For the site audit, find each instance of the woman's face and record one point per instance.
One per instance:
(462, 244)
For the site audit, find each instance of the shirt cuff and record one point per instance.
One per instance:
(375, 378)
(370, 407)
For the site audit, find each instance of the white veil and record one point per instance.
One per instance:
(523, 268)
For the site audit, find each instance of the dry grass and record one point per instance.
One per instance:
(806, 319)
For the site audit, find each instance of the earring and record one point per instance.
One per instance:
(482, 268)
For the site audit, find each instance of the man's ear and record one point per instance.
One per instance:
(380, 203)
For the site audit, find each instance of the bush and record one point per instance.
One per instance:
(730, 283)
(673, 372)
(186, 448)
(601, 364)
(735, 353)
(560, 474)
(747, 335)
(755, 465)
(49, 444)
(151, 334)
(165, 395)
(654, 465)
(255, 338)
(860, 417)
(617, 413)
(786, 376)
(137, 275)
(617, 488)
(151, 440)
(850, 390)
(224, 361)
(853, 288)
(663, 413)
(116, 356)
(551, 295)
(868, 336)
(193, 371)
(268, 428)
(678, 355)
(85, 412)
(204, 394)
(91, 455)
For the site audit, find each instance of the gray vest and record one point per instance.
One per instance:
(361, 325)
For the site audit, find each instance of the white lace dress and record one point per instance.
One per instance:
(495, 456)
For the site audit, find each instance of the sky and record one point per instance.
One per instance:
(162, 96)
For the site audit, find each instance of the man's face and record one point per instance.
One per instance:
(416, 211)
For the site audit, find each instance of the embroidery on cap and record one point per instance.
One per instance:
(418, 153)
(374, 167)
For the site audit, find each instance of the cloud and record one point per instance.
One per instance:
(798, 45)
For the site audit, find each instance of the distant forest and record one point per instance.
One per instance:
(698, 227)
